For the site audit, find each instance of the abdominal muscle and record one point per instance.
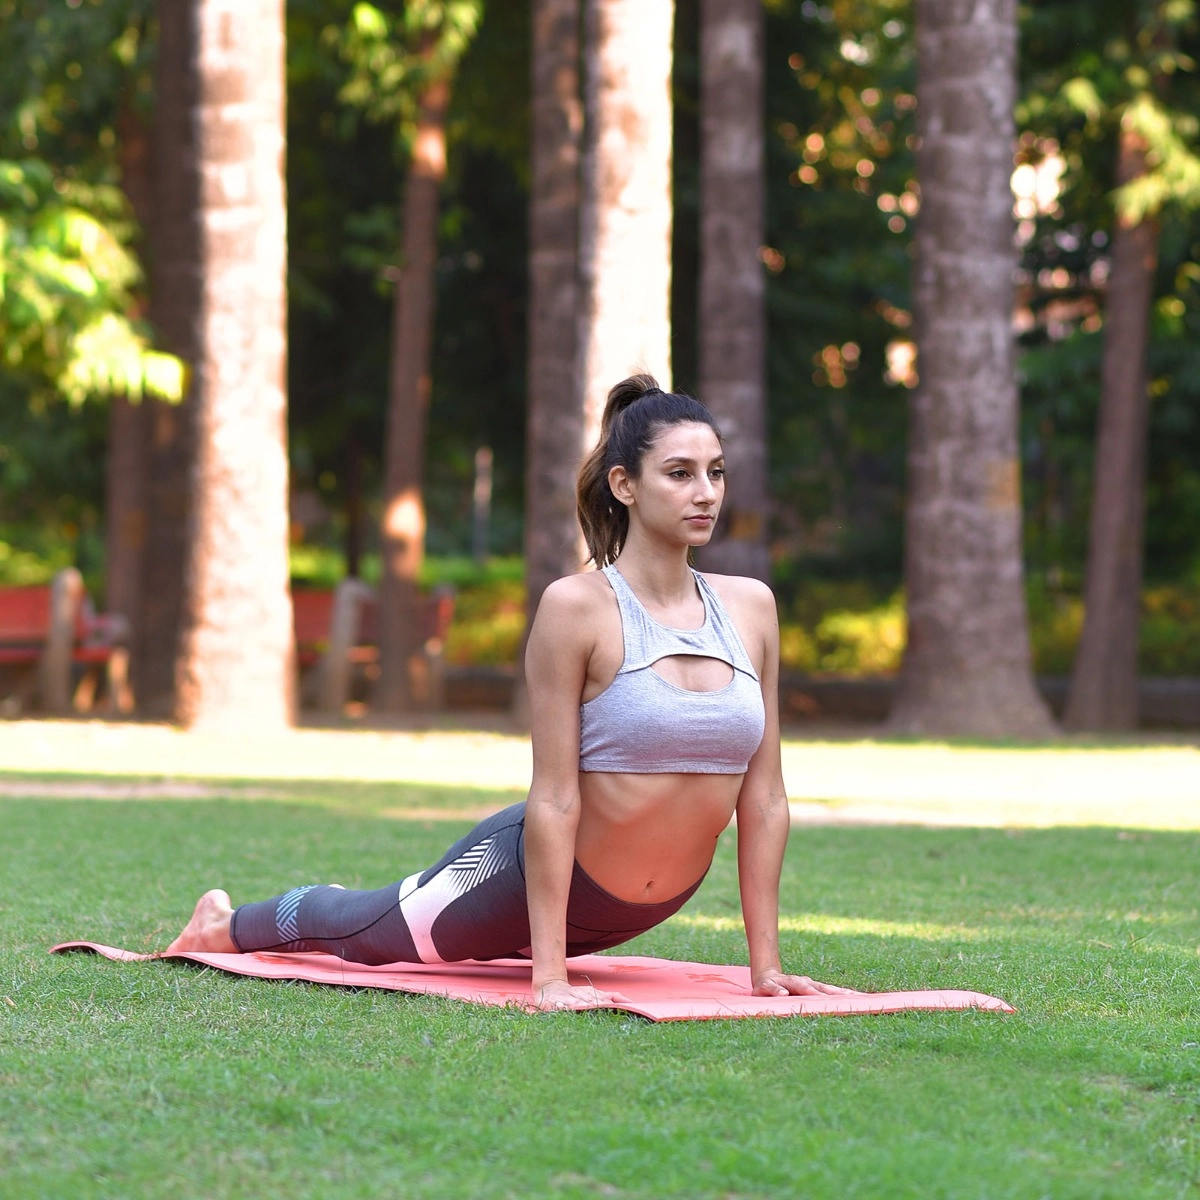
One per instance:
(646, 838)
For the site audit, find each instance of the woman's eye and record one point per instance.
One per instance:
(718, 472)
(679, 474)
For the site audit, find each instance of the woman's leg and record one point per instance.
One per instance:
(470, 904)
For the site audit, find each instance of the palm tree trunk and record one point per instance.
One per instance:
(174, 305)
(125, 468)
(625, 219)
(1104, 680)
(236, 664)
(967, 665)
(403, 527)
(554, 439)
(732, 308)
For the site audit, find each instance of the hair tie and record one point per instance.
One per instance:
(654, 391)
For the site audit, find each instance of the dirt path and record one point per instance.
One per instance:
(830, 781)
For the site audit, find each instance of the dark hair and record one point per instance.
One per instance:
(636, 412)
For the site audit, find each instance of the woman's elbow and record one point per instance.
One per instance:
(552, 803)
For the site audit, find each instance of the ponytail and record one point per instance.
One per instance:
(636, 411)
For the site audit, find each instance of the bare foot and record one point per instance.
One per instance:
(208, 930)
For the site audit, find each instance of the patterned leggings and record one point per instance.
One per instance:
(469, 905)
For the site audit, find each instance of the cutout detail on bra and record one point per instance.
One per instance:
(683, 669)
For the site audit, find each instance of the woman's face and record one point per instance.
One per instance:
(677, 495)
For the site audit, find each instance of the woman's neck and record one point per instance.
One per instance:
(662, 579)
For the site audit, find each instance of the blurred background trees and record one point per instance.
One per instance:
(92, 113)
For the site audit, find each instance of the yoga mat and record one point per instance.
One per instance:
(658, 989)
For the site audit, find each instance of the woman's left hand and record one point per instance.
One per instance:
(777, 983)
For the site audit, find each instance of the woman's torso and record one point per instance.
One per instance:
(647, 835)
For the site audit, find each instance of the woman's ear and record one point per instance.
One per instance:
(620, 485)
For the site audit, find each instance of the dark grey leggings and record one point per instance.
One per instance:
(470, 904)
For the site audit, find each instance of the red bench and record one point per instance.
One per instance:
(337, 631)
(51, 630)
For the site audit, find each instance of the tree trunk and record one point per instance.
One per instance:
(125, 468)
(403, 527)
(554, 416)
(967, 665)
(554, 442)
(125, 510)
(732, 308)
(353, 490)
(174, 304)
(236, 667)
(1104, 691)
(625, 218)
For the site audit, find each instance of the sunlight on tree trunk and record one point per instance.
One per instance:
(554, 408)
(1104, 680)
(732, 309)
(236, 664)
(625, 220)
(174, 306)
(967, 666)
(403, 527)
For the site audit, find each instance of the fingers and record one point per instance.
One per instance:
(563, 998)
(800, 985)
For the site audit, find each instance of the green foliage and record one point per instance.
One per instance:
(68, 275)
(66, 288)
(1087, 69)
(21, 566)
(489, 623)
(1169, 634)
(840, 200)
(1175, 167)
(842, 627)
(393, 59)
(852, 630)
(344, 182)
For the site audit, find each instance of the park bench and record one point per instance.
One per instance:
(337, 636)
(50, 634)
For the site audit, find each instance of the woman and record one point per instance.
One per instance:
(653, 704)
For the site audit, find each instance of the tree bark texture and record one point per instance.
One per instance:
(554, 440)
(1104, 678)
(125, 467)
(403, 526)
(554, 405)
(125, 510)
(174, 306)
(625, 217)
(967, 667)
(236, 665)
(732, 292)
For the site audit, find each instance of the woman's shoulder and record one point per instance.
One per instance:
(576, 596)
(742, 592)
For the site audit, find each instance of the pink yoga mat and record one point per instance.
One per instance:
(657, 988)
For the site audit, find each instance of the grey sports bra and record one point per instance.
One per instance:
(643, 724)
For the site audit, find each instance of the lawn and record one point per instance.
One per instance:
(154, 1079)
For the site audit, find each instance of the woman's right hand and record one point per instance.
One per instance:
(560, 996)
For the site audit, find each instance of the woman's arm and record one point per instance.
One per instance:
(556, 661)
(763, 824)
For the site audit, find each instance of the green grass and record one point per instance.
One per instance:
(149, 1080)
